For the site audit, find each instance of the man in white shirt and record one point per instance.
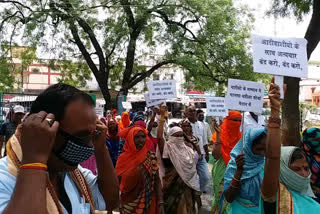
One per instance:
(207, 129)
(252, 120)
(198, 130)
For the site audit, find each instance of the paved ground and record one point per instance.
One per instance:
(207, 198)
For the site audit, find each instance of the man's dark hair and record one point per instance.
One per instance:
(56, 98)
(199, 111)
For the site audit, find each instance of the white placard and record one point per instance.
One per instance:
(216, 106)
(126, 105)
(280, 56)
(278, 80)
(245, 96)
(162, 90)
(150, 102)
(99, 111)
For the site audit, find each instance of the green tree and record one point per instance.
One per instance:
(223, 50)
(110, 35)
(290, 110)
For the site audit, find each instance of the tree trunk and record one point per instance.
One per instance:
(291, 113)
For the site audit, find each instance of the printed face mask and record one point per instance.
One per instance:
(76, 149)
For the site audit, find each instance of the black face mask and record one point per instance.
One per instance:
(76, 149)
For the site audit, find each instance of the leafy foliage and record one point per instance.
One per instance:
(207, 37)
(286, 7)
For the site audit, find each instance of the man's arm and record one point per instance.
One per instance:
(107, 178)
(29, 195)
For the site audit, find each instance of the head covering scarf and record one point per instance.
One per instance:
(138, 120)
(109, 136)
(289, 178)
(131, 156)
(254, 165)
(125, 120)
(230, 134)
(311, 146)
(182, 158)
(188, 122)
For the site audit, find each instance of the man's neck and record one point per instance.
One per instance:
(192, 120)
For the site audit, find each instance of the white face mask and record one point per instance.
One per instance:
(154, 132)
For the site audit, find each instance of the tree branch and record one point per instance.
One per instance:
(130, 18)
(166, 19)
(313, 31)
(17, 3)
(147, 73)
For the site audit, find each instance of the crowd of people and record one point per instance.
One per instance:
(62, 158)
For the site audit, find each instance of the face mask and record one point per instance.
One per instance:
(75, 149)
(295, 182)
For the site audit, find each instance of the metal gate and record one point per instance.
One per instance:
(9, 100)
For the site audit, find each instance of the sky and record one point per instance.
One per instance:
(281, 27)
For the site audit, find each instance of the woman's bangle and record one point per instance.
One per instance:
(234, 186)
(38, 166)
(160, 203)
(236, 179)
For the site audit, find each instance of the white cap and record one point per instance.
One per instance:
(18, 109)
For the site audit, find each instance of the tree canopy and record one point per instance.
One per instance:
(207, 37)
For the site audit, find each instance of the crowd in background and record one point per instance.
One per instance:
(162, 167)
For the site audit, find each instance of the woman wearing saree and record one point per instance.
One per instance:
(311, 146)
(286, 185)
(244, 173)
(181, 185)
(137, 170)
(224, 139)
(113, 140)
(123, 124)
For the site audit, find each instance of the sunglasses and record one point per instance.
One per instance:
(84, 140)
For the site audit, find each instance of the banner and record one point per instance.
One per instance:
(162, 90)
(245, 96)
(150, 102)
(216, 106)
(280, 56)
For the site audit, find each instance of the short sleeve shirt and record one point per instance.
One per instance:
(8, 182)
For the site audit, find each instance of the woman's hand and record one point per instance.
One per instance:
(216, 127)
(274, 96)
(240, 161)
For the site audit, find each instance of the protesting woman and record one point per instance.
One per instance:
(190, 139)
(286, 185)
(224, 139)
(123, 124)
(113, 140)
(137, 170)
(244, 173)
(311, 146)
(181, 185)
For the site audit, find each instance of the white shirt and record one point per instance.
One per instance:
(198, 130)
(250, 123)
(207, 131)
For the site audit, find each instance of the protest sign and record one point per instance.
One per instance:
(280, 56)
(99, 111)
(278, 80)
(216, 106)
(150, 102)
(162, 90)
(245, 96)
(126, 105)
